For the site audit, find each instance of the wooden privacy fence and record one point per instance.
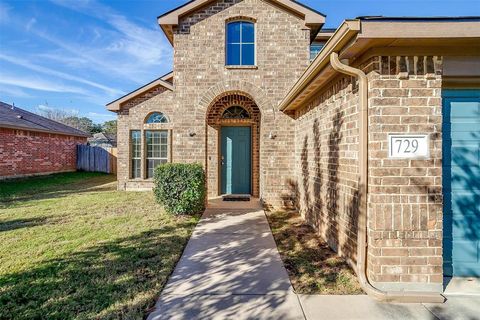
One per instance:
(113, 159)
(96, 159)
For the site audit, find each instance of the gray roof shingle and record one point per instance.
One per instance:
(14, 117)
(103, 137)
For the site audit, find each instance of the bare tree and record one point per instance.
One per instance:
(71, 118)
(54, 113)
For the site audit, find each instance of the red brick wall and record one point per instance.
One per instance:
(27, 152)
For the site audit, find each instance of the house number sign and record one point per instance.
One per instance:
(406, 146)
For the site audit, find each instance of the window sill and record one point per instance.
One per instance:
(241, 67)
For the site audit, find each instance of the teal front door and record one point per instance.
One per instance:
(461, 183)
(236, 160)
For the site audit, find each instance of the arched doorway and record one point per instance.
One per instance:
(233, 144)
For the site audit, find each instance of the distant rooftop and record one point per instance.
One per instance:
(406, 18)
(103, 138)
(16, 118)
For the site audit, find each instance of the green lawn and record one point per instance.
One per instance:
(313, 267)
(72, 247)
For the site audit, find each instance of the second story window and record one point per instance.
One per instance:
(315, 49)
(240, 49)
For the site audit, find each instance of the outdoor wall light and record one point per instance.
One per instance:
(192, 134)
(272, 135)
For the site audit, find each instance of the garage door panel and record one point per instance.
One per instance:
(466, 269)
(460, 178)
(465, 228)
(461, 182)
(463, 155)
(467, 253)
(466, 127)
(461, 137)
(461, 171)
(464, 108)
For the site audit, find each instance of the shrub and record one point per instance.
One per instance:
(180, 187)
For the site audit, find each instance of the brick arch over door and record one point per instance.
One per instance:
(255, 93)
(214, 122)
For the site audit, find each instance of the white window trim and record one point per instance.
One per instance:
(241, 66)
(147, 158)
(135, 158)
(167, 120)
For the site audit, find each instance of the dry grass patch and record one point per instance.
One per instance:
(312, 266)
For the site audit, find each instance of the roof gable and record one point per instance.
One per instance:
(313, 18)
(164, 81)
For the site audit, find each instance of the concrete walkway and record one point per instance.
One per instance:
(231, 269)
(362, 307)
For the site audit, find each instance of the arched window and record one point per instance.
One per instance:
(156, 117)
(235, 112)
(240, 49)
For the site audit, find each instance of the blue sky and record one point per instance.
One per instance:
(77, 55)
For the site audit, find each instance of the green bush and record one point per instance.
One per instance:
(180, 187)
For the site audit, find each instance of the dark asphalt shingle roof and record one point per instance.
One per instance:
(14, 117)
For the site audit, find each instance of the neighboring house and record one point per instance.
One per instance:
(103, 140)
(31, 144)
(245, 101)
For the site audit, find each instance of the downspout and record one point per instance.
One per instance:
(361, 266)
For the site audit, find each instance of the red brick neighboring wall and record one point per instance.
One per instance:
(28, 153)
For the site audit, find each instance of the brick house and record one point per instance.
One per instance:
(34, 145)
(346, 125)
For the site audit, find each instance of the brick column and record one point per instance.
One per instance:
(405, 196)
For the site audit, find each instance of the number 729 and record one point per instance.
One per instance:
(407, 145)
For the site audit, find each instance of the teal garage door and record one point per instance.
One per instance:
(461, 182)
(236, 160)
